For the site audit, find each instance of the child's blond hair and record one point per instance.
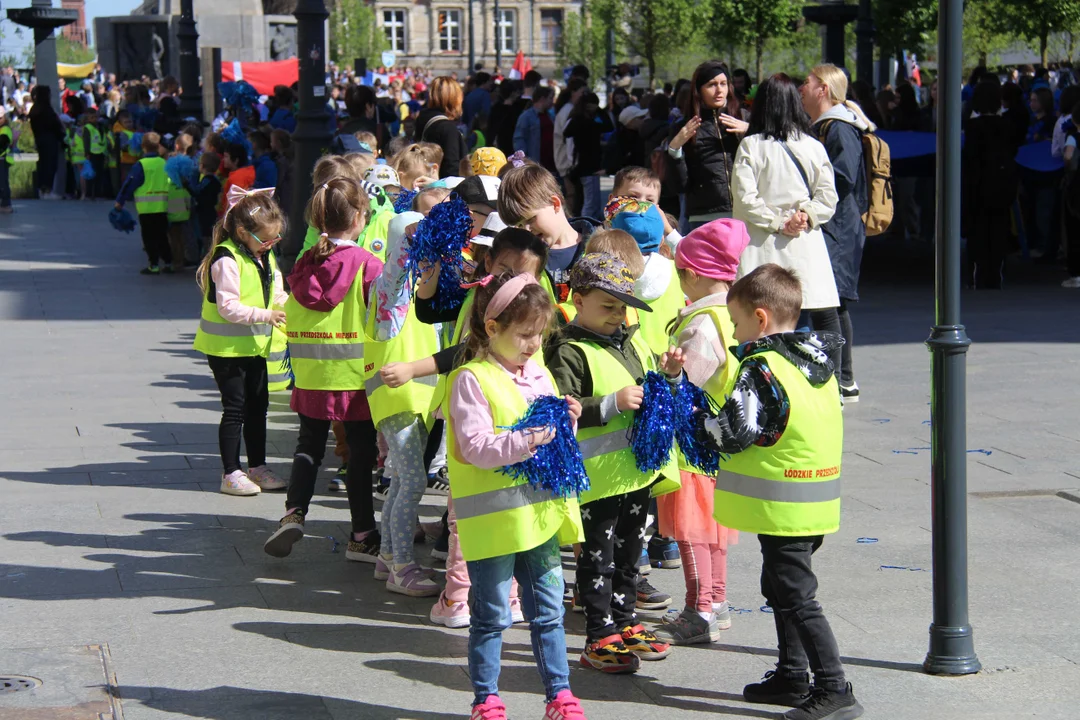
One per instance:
(361, 162)
(257, 215)
(151, 144)
(416, 160)
(622, 245)
(634, 174)
(329, 167)
(434, 195)
(525, 190)
(370, 140)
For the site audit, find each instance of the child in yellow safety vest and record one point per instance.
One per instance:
(707, 260)
(148, 185)
(93, 142)
(601, 361)
(7, 159)
(242, 293)
(327, 313)
(508, 528)
(783, 428)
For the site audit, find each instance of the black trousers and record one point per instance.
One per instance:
(607, 569)
(837, 320)
(244, 402)
(363, 454)
(155, 237)
(97, 188)
(1072, 243)
(803, 634)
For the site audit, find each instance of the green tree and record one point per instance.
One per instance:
(584, 38)
(753, 22)
(69, 51)
(354, 33)
(650, 28)
(905, 24)
(983, 34)
(1036, 19)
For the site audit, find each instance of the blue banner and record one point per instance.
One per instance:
(912, 145)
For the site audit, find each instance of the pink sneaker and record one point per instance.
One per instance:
(564, 707)
(452, 616)
(411, 580)
(237, 483)
(265, 478)
(382, 567)
(490, 709)
(516, 614)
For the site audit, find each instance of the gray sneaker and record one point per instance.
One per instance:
(689, 629)
(722, 612)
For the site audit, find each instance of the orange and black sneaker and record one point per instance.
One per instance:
(610, 655)
(644, 644)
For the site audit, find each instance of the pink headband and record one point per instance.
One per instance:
(236, 194)
(504, 295)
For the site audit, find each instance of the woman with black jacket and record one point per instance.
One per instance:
(587, 126)
(702, 145)
(438, 124)
(48, 134)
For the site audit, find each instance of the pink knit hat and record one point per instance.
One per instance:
(713, 249)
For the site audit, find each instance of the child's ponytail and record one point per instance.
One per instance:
(333, 211)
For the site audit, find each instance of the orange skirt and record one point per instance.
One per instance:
(687, 514)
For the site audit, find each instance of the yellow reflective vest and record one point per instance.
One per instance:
(76, 149)
(414, 341)
(153, 195)
(327, 348)
(654, 325)
(278, 368)
(7, 155)
(97, 147)
(609, 460)
(216, 335)
(791, 488)
(178, 208)
(497, 515)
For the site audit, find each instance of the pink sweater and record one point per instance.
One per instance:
(474, 433)
(226, 276)
(702, 345)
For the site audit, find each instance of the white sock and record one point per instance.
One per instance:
(719, 607)
(706, 616)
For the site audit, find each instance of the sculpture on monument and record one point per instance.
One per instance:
(158, 52)
(283, 42)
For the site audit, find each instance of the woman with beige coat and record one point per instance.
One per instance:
(784, 191)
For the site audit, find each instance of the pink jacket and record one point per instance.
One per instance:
(322, 286)
(701, 344)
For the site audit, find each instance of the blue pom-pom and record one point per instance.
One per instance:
(234, 133)
(122, 220)
(653, 431)
(135, 143)
(440, 237)
(557, 466)
(87, 171)
(181, 169)
(404, 201)
(239, 93)
(689, 399)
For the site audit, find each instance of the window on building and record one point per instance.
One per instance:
(551, 25)
(450, 30)
(505, 31)
(394, 25)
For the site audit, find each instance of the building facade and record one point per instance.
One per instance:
(435, 33)
(76, 32)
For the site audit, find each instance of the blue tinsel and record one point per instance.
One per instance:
(689, 399)
(233, 133)
(122, 220)
(239, 93)
(135, 144)
(440, 237)
(87, 172)
(557, 466)
(404, 201)
(181, 169)
(653, 431)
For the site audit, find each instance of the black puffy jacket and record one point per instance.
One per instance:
(704, 170)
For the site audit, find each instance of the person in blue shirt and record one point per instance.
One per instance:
(283, 117)
(266, 171)
(479, 100)
(529, 131)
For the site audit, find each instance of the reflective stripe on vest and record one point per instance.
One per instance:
(345, 351)
(278, 368)
(791, 488)
(228, 329)
(219, 337)
(496, 514)
(606, 450)
(153, 195)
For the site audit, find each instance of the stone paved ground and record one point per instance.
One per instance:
(112, 530)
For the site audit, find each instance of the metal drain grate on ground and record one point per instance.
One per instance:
(15, 683)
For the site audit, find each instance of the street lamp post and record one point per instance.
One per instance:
(312, 136)
(952, 646)
(472, 41)
(188, 37)
(864, 45)
(498, 35)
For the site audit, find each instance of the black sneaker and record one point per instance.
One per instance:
(382, 485)
(777, 690)
(827, 705)
(649, 598)
(441, 551)
(439, 483)
(366, 550)
(850, 393)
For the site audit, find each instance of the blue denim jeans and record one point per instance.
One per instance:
(593, 206)
(539, 572)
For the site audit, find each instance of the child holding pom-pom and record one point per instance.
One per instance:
(600, 360)
(707, 261)
(509, 527)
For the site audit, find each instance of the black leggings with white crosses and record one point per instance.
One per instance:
(607, 569)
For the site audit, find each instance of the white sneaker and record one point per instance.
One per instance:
(237, 483)
(1073, 282)
(265, 478)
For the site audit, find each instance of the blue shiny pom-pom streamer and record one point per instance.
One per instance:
(404, 201)
(689, 399)
(558, 466)
(122, 220)
(653, 431)
(440, 238)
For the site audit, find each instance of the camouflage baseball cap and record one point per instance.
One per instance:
(603, 271)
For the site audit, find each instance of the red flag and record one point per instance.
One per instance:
(263, 76)
(521, 66)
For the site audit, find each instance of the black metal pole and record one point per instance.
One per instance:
(498, 36)
(312, 136)
(952, 646)
(864, 46)
(188, 39)
(472, 41)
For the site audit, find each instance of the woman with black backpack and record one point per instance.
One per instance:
(438, 123)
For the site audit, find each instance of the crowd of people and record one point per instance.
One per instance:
(722, 263)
